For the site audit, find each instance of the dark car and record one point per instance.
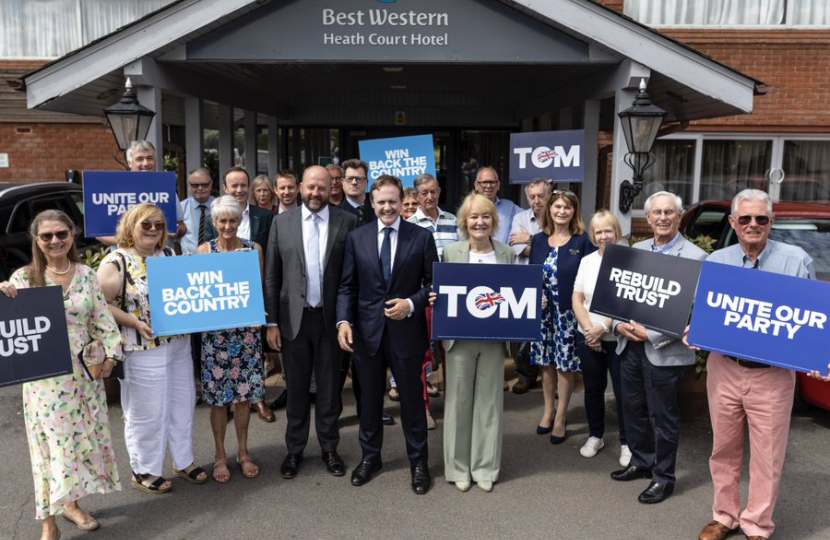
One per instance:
(20, 203)
(803, 224)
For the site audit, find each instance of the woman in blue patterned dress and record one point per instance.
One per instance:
(559, 248)
(232, 367)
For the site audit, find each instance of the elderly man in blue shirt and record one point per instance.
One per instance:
(487, 184)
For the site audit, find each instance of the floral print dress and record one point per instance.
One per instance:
(558, 344)
(232, 368)
(67, 424)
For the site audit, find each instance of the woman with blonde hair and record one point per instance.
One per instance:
(262, 192)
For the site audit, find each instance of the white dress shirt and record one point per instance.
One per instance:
(244, 230)
(322, 228)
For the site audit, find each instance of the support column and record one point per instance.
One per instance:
(251, 154)
(150, 97)
(226, 156)
(194, 141)
(590, 158)
(273, 146)
(623, 98)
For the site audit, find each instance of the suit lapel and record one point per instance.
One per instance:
(463, 254)
(253, 220)
(296, 232)
(404, 245)
(334, 228)
(501, 254)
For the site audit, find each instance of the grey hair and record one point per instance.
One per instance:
(678, 202)
(536, 181)
(751, 195)
(137, 146)
(486, 167)
(422, 179)
(226, 206)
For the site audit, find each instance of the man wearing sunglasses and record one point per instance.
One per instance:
(742, 391)
(354, 186)
(196, 209)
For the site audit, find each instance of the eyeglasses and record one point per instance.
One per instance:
(199, 185)
(667, 213)
(158, 225)
(746, 220)
(60, 235)
(355, 179)
(336, 178)
(486, 183)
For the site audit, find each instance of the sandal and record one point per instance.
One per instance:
(394, 395)
(193, 475)
(217, 468)
(89, 524)
(154, 487)
(252, 469)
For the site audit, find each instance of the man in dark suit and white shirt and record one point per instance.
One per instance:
(354, 186)
(302, 274)
(256, 221)
(387, 275)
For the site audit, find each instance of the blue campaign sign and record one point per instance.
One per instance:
(212, 291)
(496, 302)
(556, 155)
(762, 316)
(404, 157)
(108, 194)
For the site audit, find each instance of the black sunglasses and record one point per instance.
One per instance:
(158, 225)
(760, 220)
(60, 235)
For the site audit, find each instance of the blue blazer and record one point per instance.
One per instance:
(362, 295)
(567, 263)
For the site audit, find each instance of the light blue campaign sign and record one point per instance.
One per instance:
(497, 302)
(108, 194)
(556, 155)
(211, 291)
(762, 316)
(404, 157)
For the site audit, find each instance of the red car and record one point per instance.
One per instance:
(803, 224)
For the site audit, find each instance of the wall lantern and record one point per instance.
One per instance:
(128, 119)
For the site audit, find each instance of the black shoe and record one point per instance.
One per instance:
(280, 402)
(291, 465)
(334, 463)
(363, 473)
(656, 493)
(421, 480)
(523, 386)
(632, 472)
(388, 420)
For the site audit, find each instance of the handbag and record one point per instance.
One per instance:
(92, 358)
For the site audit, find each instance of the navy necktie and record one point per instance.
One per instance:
(386, 255)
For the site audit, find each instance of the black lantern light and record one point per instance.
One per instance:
(128, 119)
(640, 124)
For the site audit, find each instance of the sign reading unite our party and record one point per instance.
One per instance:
(108, 194)
(556, 155)
(404, 157)
(762, 316)
(211, 291)
(497, 302)
(34, 343)
(652, 289)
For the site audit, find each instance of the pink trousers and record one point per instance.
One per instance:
(762, 398)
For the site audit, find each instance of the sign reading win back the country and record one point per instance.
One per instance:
(652, 289)
(762, 316)
(498, 302)
(404, 157)
(34, 343)
(556, 155)
(212, 291)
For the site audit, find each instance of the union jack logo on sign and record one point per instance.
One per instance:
(488, 300)
(545, 155)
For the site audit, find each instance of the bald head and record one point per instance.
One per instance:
(315, 188)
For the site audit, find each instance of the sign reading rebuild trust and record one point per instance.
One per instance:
(108, 194)
(34, 343)
(404, 157)
(204, 292)
(762, 316)
(497, 302)
(652, 289)
(556, 155)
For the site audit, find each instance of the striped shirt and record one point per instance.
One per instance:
(444, 231)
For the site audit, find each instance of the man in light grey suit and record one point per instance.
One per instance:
(303, 263)
(652, 365)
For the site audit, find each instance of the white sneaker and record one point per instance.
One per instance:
(463, 486)
(625, 456)
(591, 447)
(485, 486)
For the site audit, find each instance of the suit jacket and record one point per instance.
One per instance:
(285, 270)
(362, 295)
(368, 214)
(260, 226)
(459, 252)
(567, 262)
(663, 350)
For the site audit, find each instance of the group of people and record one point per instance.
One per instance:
(347, 289)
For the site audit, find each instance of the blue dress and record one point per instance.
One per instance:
(557, 346)
(232, 367)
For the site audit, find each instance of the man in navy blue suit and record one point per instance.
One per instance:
(387, 275)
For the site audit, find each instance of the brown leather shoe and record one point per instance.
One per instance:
(716, 530)
(757, 538)
(265, 414)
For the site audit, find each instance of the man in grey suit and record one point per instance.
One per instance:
(652, 365)
(303, 263)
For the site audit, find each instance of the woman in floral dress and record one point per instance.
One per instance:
(232, 367)
(70, 445)
(559, 248)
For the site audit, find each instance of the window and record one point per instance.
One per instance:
(729, 12)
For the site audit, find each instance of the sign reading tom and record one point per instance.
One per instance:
(762, 316)
(212, 291)
(653, 289)
(547, 154)
(404, 157)
(34, 343)
(498, 302)
(108, 194)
